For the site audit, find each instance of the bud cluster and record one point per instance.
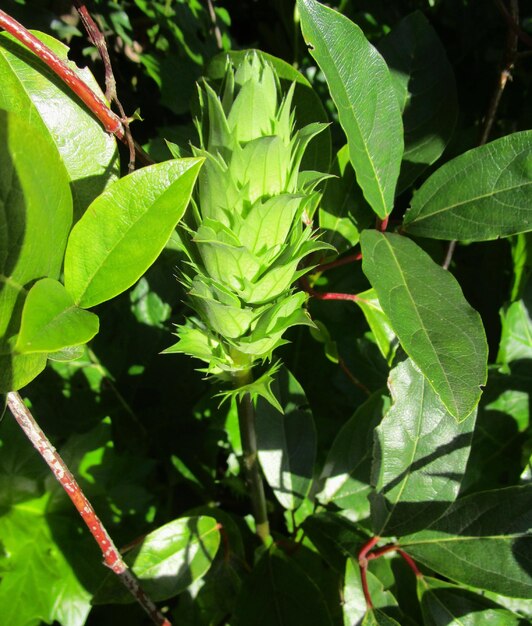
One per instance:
(247, 235)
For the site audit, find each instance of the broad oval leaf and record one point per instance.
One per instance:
(420, 456)
(444, 604)
(424, 83)
(35, 217)
(286, 441)
(361, 87)
(169, 560)
(51, 321)
(278, 593)
(483, 194)
(30, 88)
(125, 228)
(483, 540)
(436, 326)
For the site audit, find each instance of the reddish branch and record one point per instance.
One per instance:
(111, 556)
(339, 262)
(97, 38)
(110, 120)
(367, 553)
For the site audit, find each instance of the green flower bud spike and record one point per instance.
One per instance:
(248, 235)
(245, 242)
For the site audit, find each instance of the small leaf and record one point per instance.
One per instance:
(376, 617)
(51, 321)
(169, 560)
(483, 540)
(378, 323)
(425, 87)
(443, 604)
(125, 228)
(335, 537)
(354, 607)
(420, 456)
(278, 593)
(516, 337)
(287, 441)
(347, 469)
(436, 326)
(361, 87)
(482, 194)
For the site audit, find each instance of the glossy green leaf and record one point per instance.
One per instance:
(306, 102)
(343, 211)
(169, 559)
(31, 89)
(35, 217)
(420, 456)
(286, 441)
(378, 323)
(125, 228)
(278, 593)
(51, 321)
(483, 540)
(436, 326)
(361, 87)
(347, 469)
(424, 83)
(354, 607)
(448, 605)
(516, 336)
(482, 194)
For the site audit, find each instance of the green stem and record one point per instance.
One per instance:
(248, 436)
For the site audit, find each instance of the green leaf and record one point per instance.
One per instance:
(443, 604)
(347, 469)
(436, 326)
(483, 540)
(35, 217)
(125, 228)
(425, 87)
(286, 441)
(306, 102)
(354, 607)
(420, 456)
(51, 321)
(277, 593)
(378, 323)
(169, 560)
(32, 90)
(361, 87)
(483, 194)
(516, 337)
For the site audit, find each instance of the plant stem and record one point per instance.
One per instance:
(248, 436)
(111, 556)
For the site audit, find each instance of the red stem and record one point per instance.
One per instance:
(352, 377)
(110, 120)
(410, 562)
(363, 565)
(338, 263)
(111, 556)
(382, 225)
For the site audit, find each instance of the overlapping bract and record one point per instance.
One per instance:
(250, 228)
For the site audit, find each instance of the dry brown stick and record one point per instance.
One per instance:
(111, 556)
(215, 27)
(508, 62)
(97, 38)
